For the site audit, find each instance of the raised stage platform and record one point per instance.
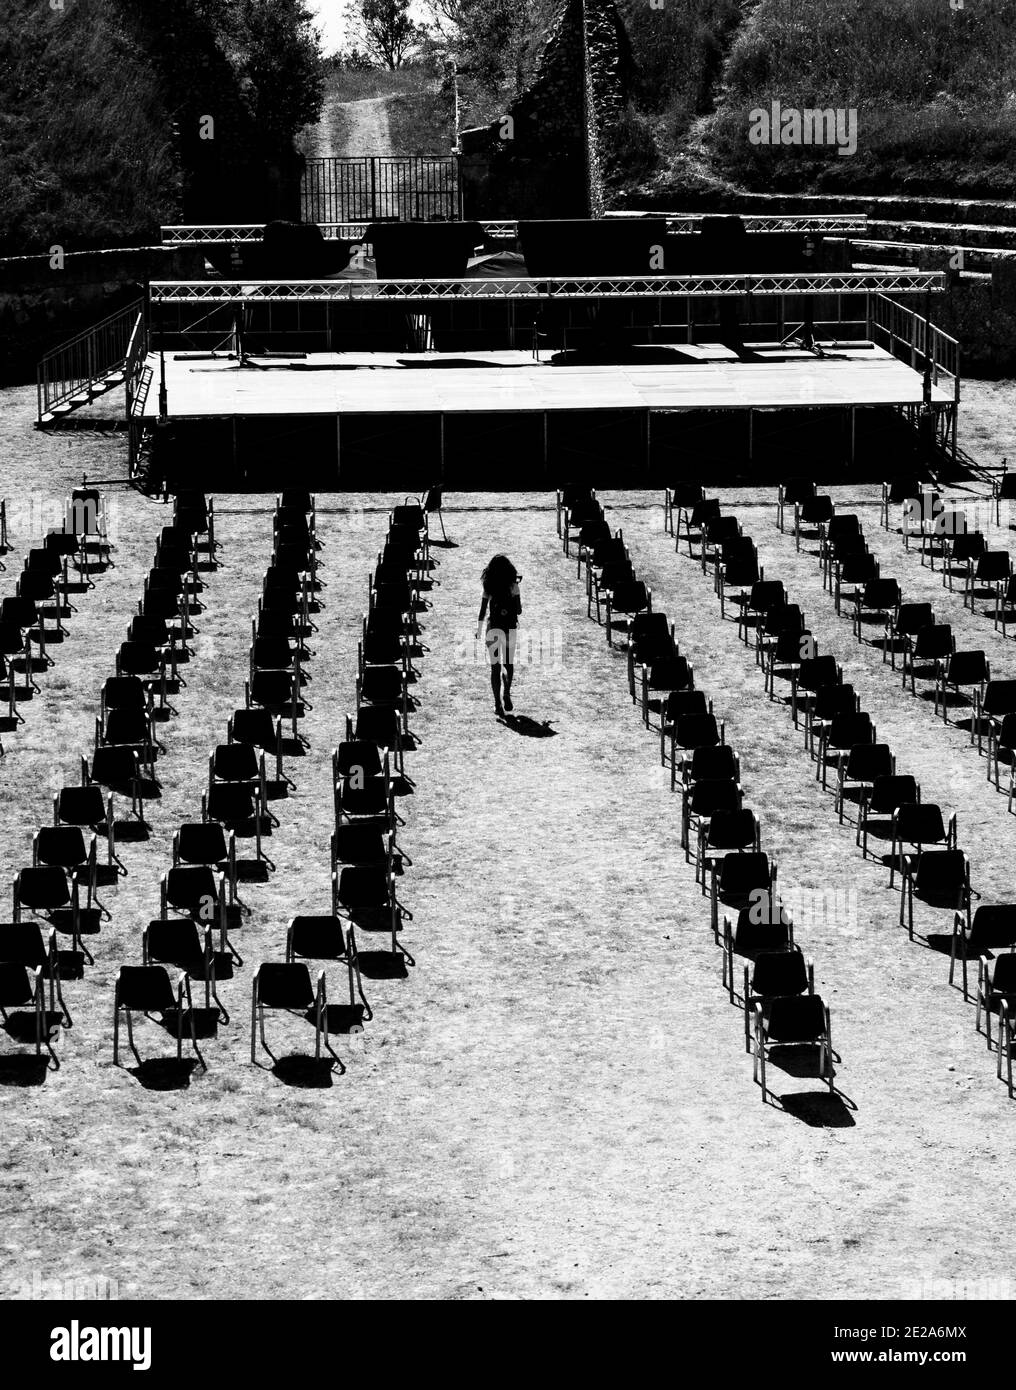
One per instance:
(337, 417)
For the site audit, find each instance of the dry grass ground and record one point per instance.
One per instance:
(556, 1101)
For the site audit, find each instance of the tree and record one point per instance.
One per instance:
(388, 30)
(276, 52)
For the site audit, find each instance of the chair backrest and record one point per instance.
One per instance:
(671, 673)
(696, 730)
(115, 767)
(137, 659)
(783, 617)
(967, 668)
(920, 823)
(881, 594)
(235, 762)
(817, 509)
(797, 490)
(993, 566)
(766, 594)
(795, 1018)
(355, 843)
(941, 871)
(126, 726)
(779, 972)
(232, 803)
(630, 597)
(22, 943)
(711, 796)
(848, 730)
(253, 726)
(1007, 732)
(791, 646)
(123, 692)
(713, 762)
(818, 671)
(732, 828)
(201, 842)
(284, 985)
(999, 698)
(741, 873)
(867, 761)
(934, 642)
(148, 631)
(359, 759)
(42, 889)
(897, 789)
(993, 925)
(969, 546)
(192, 888)
(846, 524)
(63, 845)
(144, 989)
(912, 618)
(834, 700)
(707, 509)
(79, 806)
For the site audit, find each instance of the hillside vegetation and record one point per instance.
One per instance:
(101, 105)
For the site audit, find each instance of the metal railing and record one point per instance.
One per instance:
(370, 188)
(195, 234)
(914, 339)
(585, 287)
(70, 373)
(846, 224)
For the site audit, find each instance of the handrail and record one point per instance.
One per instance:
(90, 357)
(914, 339)
(134, 366)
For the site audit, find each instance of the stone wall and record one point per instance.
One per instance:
(544, 157)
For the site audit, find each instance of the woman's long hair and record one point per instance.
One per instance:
(499, 576)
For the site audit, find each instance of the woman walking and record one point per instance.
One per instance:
(501, 604)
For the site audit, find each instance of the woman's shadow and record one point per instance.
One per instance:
(528, 728)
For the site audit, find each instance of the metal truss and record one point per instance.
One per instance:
(847, 223)
(194, 234)
(590, 287)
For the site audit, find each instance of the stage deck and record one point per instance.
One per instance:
(429, 384)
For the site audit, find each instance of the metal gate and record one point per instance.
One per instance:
(381, 188)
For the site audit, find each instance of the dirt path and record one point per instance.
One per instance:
(351, 128)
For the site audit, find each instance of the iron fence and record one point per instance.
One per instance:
(381, 188)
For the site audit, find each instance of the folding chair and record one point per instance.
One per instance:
(791, 494)
(679, 500)
(1002, 748)
(382, 726)
(240, 764)
(992, 571)
(119, 770)
(841, 535)
(286, 986)
(992, 928)
(784, 655)
(793, 1021)
(880, 599)
(131, 729)
(939, 538)
(26, 944)
(816, 511)
(754, 930)
(64, 847)
(1005, 605)
(207, 842)
(839, 736)
(260, 730)
(919, 824)
(384, 687)
(717, 531)
(329, 938)
(728, 832)
(701, 800)
(765, 594)
(998, 700)
(364, 894)
(738, 881)
(828, 703)
(624, 603)
(881, 800)
(940, 876)
(702, 514)
(605, 578)
(849, 577)
(861, 768)
(782, 973)
(147, 989)
(47, 892)
(735, 581)
(897, 491)
(279, 693)
(962, 669)
(665, 677)
(811, 674)
(432, 505)
(198, 893)
(779, 618)
(960, 555)
(650, 639)
(932, 647)
(1003, 490)
(21, 987)
(904, 625)
(179, 942)
(688, 730)
(996, 993)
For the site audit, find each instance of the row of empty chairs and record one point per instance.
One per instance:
(32, 618)
(926, 647)
(58, 894)
(922, 841)
(778, 996)
(200, 906)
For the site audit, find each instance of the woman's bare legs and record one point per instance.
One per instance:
(495, 685)
(509, 672)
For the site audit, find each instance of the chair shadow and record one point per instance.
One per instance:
(130, 832)
(341, 1018)
(819, 1109)
(528, 728)
(444, 545)
(252, 871)
(383, 965)
(305, 1073)
(941, 943)
(22, 1069)
(165, 1073)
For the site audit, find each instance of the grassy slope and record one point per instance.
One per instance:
(556, 1102)
(420, 120)
(932, 86)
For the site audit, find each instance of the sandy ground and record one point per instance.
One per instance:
(556, 1101)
